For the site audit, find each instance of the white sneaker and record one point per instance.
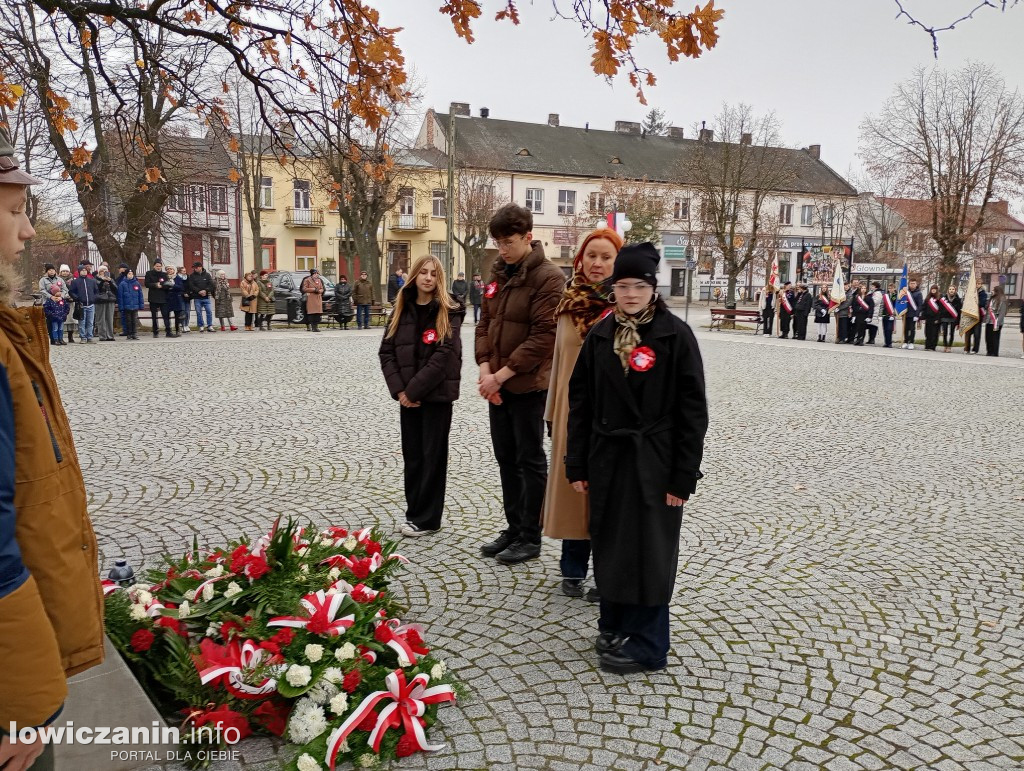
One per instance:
(410, 530)
(910, 347)
(186, 330)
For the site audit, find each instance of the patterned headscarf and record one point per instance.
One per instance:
(627, 334)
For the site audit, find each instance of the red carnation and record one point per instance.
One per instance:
(238, 558)
(351, 681)
(273, 715)
(256, 567)
(369, 722)
(227, 627)
(372, 547)
(285, 636)
(406, 746)
(360, 568)
(224, 718)
(142, 640)
(413, 638)
(337, 532)
(359, 594)
(383, 633)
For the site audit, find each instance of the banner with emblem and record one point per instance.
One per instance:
(903, 298)
(838, 293)
(970, 313)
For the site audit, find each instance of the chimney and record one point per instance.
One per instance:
(485, 113)
(676, 132)
(627, 127)
(815, 152)
(553, 119)
(586, 126)
(707, 135)
(460, 108)
(746, 139)
(430, 127)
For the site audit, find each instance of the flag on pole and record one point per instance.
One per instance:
(617, 222)
(838, 291)
(903, 294)
(969, 313)
(773, 278)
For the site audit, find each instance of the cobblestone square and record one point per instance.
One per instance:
(850, 586)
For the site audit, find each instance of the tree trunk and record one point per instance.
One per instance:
(369, 260)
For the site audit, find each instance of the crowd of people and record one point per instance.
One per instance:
(864, 309)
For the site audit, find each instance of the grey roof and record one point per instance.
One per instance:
(423, 157)
(489, 143)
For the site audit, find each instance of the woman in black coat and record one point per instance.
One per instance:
(822, 306)
(421, 358)
(930, 312)
(637, 419)
(861, 308)
(949, 316)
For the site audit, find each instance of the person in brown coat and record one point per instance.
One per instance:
(515, 340)
(51, 605)
(584, 302)
(421, 358)
(250, 294)
(362, 298)
(313, 291)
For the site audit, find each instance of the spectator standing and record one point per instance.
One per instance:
(55, 308)
(566, 514)
(224, 305)
(106, 302)
(949, 316)
(460, 288)
(995, 315)
(786, 299)
(176, 302)
(265, 301)
(362, 296)
(766, 305)
(312, 289)
(343, 302)
(515, 342)
(181, 280)
(637, 420)
(395, 283)
(821, 313)
(202, 288)
(50, 278)
(421, 358)
(476, 296)
(972, 341)
(71, 323)
(250, 295)
(801, 310)
(931, 312)
(843, 315)
(915, 302)
(156, 283)
(130, 300)
(84, 290)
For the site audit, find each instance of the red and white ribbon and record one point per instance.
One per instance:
(408, 703)
(400, 644)
(323, 609)
(949, 308)
(248, 656)
(863, 304)
(910, 299)
(889, 310)
(109, 587)
(204, 584)
(991, 316)
(786, 304)
(933, 305)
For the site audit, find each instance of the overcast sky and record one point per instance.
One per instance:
(820, 65)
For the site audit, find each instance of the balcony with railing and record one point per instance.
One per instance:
(419, 222)
(303, 218)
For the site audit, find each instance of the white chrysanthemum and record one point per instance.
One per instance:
(138, 612)
(298, 675)
(304, 568)
(333, 573)
(346, 652)
(184, 610)
(325, 540)
(343, 747)
(140, 593)
(350, 543)
(339, 704)
(334, 675)
(437, 671)
(208, 592)
(190, 595)
(307, 723)
(232, 590)
(307, 762)
(215, 572)
(314, 652)
(322, 692)
(211, 630)
(367, 760)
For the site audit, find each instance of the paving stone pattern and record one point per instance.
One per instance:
(849, 594)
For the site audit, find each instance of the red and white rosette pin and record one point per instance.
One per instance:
(642, 359)
(491, 289)
(429, 336)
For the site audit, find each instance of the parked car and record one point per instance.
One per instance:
(289, 300)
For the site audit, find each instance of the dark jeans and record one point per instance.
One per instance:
(476, 313)
(973, 340)
(517, 434)
(160, 310)
(931, 334)
(425, 431)
(131, 326)
(362, 317)
(909, 330)
(991, 340)
(124, 320)
(56, 327)
(575, 558)
(645, 625)
(767, 321)
(948, 334)
(784, 319)
(872, 333)
(843, 330)
(800, 327)
(888, 325)
(249, 318)
(313, 319)
(860, 328)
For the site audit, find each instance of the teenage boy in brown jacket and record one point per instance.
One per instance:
(51, 606)
(515, 341)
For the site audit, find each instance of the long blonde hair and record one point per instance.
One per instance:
(445, 302)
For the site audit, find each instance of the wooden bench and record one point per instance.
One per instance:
(379, 315)
(718, 315)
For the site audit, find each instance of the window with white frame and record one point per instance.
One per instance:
(991, 243)
(828, 215)
(178, 199)
(301, 194)
(597, 203)
(807, 215)
(439, 251)
(218, 199)
(266, 192)
(681, 209)
(197, 197)
(535, 200)
(1010, 287)
(407, 201)
(438, 204)
(566, 202)
(786, 214)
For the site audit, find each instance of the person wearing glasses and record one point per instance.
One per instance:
(515, 340)
(637, 420)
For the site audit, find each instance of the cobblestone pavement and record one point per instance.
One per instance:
(850, 589)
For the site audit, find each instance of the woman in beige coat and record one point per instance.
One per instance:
(250, 294)
(584, 302)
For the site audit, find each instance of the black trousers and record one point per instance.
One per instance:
(973, 340)
(843, 329)
(767, 321)
(425, 431)
(860, 328)
(165, 313)
(784, 319)
(517, 434)
(800, 327)
(931, 334)
(263, 318)
(991, 340)
(909, 330)
(131, 323)
(872, 333)
(313, 319)
(575, 558)
(888, 325)
(645, 625)
(249, 318)
(948, 334)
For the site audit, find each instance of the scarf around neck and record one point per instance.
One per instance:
(627, 333)
(585, 303)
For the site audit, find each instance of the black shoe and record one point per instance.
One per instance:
(519, 551)
(572, 587)
(499, 544)
(621, 664)
(608, 642)
(592, 595)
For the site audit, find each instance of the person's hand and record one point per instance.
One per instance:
(489, 385)
(581, 487)
(404, 401)
(495, 399)
(671, 500)
(20, 756)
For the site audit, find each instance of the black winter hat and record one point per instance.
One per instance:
(49, 266)
(637, 261)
